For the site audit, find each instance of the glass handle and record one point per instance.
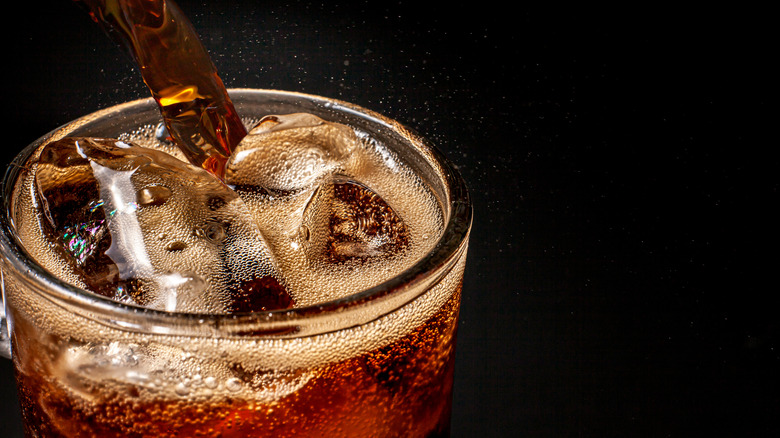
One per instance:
(5, 339)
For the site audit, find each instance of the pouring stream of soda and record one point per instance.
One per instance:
(194, 103)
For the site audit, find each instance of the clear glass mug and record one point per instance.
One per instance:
(375, 363)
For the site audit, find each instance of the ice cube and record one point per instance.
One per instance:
(285, 153)
(306, 155)
(345, 220)
(140, 226)
(317, 189)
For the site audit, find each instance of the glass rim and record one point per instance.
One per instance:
(449, 246)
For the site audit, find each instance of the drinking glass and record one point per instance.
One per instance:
(378, 362)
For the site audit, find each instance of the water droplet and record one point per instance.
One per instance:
(153, 195)
(161, 133)
(303, 232)
(176, 246)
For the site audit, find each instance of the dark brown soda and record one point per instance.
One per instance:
(196, 108)
(402, 389)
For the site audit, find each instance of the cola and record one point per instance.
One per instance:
(180, 266)
(334, 312)
(401, 389)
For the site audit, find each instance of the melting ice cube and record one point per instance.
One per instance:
(305, 155)
(346, 220)
(140, 226)
(289, 152)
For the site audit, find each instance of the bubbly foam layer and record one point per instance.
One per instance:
(390, 208)
(389, 217)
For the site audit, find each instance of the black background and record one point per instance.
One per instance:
(621, 267)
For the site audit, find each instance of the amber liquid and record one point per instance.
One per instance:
(400, 390)
(195, 106)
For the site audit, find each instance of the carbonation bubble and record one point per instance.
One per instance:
(233, 384)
